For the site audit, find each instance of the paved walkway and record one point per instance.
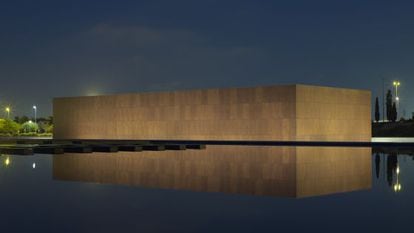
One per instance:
(392, 140)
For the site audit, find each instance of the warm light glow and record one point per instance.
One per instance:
(397, 187)
(93, 91)
(7, 161)
(30, 121)
(396, 83)
(8, 109)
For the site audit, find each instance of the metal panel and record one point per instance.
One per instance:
(288, 113)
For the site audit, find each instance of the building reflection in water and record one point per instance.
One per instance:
(269, 171)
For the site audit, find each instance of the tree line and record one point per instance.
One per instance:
(391, 108)
(24, 126)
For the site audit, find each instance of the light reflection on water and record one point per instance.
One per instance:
(222, 188)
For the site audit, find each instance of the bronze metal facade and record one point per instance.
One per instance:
(286, 113)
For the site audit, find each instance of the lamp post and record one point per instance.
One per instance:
(35, 113)
(8, 112)
(396, 84)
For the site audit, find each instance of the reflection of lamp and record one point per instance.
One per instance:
(7, 161)
(397, 185)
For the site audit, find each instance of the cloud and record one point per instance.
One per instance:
(110, 58)
(133, 58)
(142, 36)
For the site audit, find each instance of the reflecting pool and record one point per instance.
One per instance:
(219, 189)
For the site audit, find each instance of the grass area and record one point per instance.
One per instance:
(393, 129)
(26, 135)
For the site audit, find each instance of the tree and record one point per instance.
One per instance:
(29, 127)
(394, 112)
(377, 114)
(45, 127)
(21, 120)
(388, 104)
(9, 127)
(49, 129)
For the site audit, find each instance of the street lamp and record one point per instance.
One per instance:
(396, 84)
(35, 113)
(8, 112)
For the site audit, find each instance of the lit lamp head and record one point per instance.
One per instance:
(396, 83)
(8, 111)
(34, 107)
(397, 98)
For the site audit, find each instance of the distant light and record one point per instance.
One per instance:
(93, 92)
(7, 161)
(7, 109)
(397, 187)
(34, 165)
(30, 121)
(397, 98)
(34, 107)
(398, 170)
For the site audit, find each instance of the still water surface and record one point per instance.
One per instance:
(220, 189)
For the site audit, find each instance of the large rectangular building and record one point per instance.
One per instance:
(274, 113)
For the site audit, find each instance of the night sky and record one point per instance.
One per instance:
(68, 48)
